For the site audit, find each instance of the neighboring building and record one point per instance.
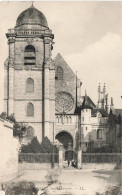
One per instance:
(9, 147)
(46, 94)
(115, 129)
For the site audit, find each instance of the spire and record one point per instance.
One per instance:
(104, 88)
(32, 5)
(112, 105)
(99, 88)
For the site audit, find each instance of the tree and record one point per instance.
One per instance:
(90, 147)
(33, 147)
(46, 146)
(19, 129)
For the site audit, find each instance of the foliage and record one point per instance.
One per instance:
(46, 146)
(112, 190)
(3, 115)
(104, 149)
(35, 147)
(21, 188)
(19, 130)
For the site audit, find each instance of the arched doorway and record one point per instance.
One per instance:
(66, 139)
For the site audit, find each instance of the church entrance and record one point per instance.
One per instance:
(66, 139)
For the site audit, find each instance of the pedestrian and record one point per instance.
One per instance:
(68, 163)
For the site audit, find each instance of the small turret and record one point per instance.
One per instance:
(101, 97)
(112, 110)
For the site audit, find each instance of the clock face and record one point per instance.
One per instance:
(64, 102)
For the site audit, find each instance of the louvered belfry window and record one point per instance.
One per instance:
(29, 55)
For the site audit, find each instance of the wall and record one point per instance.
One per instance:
(8, 149)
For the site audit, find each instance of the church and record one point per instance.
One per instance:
(44, 93)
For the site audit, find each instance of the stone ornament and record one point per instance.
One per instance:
(64, 102)
(29, 41)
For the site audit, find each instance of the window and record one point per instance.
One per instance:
(29, 55)
(86, 128)
(82, 118)
(30, 85)
(59, 73)
(30, 133)
(30, 109)
(99, 134)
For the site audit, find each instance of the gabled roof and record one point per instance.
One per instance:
(103, 112)
(58, 57)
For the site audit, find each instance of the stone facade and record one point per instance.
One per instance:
(30, 57)
(51, 103)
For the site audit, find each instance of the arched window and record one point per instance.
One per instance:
(30, 85)
(30, 109)
(29, 55)
(59, 73)
(30, 133)
(99, 134)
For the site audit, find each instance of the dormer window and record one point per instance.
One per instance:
(29, 55)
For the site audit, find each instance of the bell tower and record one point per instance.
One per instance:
(29, 85)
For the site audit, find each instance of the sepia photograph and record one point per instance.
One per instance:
(61, 98)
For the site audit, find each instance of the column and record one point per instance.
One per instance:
(46, 87)
(79, 159)
(60, 157)
(11, 77)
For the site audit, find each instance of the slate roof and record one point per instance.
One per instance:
(90, 102)
(103, 112)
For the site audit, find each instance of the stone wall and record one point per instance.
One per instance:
(8, 149)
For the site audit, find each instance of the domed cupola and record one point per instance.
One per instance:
(31, 16)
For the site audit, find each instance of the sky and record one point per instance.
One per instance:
(88, 35)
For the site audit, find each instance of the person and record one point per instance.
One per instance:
(68, 163)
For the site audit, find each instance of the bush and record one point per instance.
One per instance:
(35, 147)
(104, 149)
(21, 188)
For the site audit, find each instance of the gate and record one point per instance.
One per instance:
(70, 155)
